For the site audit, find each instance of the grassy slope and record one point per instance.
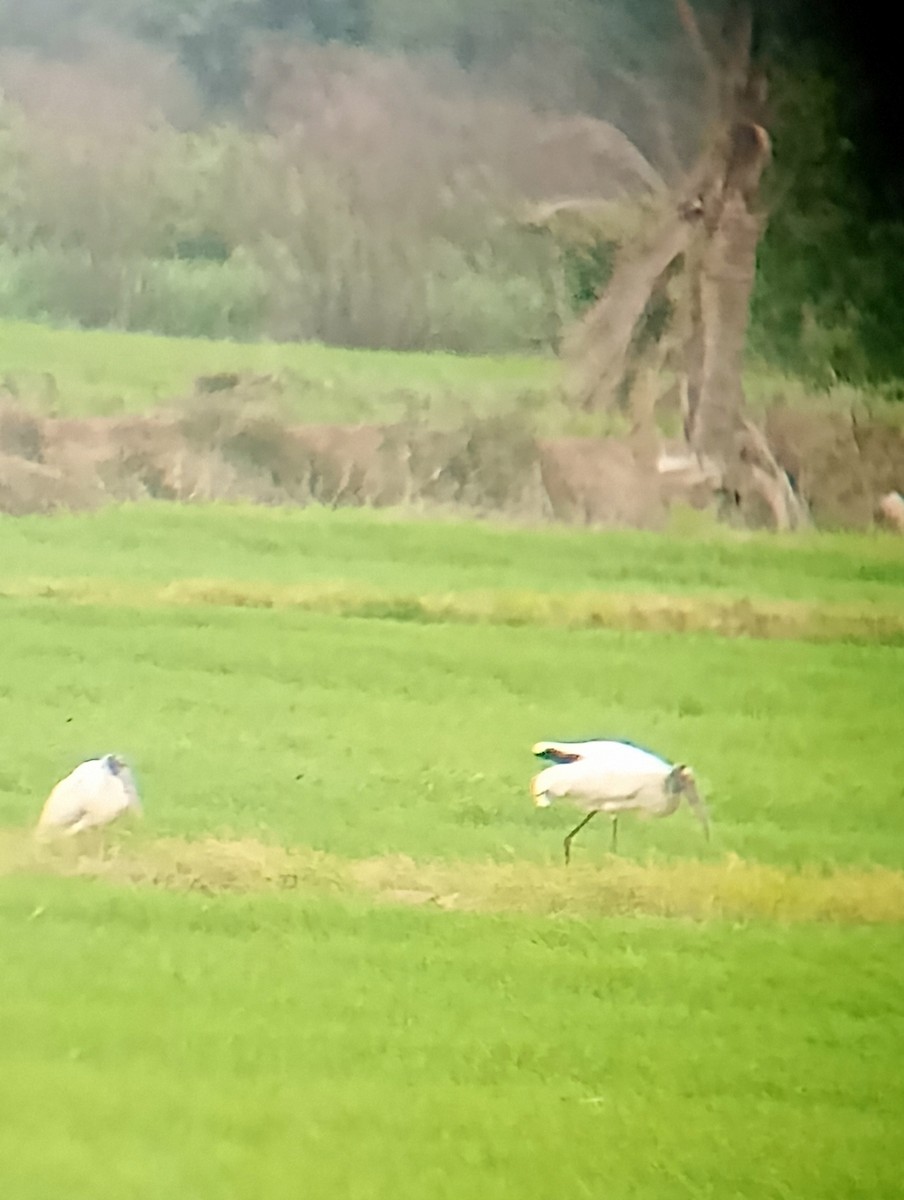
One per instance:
(158, 1045)
(86, 372)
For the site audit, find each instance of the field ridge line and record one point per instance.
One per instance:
(718, 614)
(731, 888)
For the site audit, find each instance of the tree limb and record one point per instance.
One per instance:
(670, 160)
(691, 27)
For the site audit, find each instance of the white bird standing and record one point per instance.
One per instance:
(613, 777)
(94, 794)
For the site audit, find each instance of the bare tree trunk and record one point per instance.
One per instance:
(712, 236)
(726, 281)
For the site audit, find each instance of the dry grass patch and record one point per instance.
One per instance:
(732, 889)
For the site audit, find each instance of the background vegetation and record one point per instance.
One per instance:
(342, 957)
(351, 171)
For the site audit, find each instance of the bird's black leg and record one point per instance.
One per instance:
(576, 829)
(614, 845)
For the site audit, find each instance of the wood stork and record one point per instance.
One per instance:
(94, 794)
(613, 777)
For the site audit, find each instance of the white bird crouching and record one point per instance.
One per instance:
(613, 777)
(94, 794)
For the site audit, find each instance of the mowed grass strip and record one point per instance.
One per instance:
(730, 889)
(379, 565)
(238, 1047)
(364, 738)
(723, 616)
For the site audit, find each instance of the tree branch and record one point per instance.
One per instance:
(691, 27)
(670, 160)
(601, 342)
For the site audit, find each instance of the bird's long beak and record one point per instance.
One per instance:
(694, 800)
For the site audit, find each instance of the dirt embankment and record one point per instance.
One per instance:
(842, 464)
(225, 447)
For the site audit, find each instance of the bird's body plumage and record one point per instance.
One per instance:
(94, 794)
(612, 777)
(590, 787)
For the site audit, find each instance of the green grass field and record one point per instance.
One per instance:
(341, 955)
(238, 1048)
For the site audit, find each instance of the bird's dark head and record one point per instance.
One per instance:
(117, 766)
(678, 779)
